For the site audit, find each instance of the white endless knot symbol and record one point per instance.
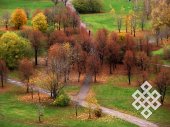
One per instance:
(146, 99)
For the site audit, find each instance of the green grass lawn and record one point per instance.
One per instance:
(15, 113)
(106, 19)
(10, 5)
(32, 5)
(160, 53)
(118, 97)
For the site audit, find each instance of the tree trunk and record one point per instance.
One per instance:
(129, 77)
(2, 80)
(32, 93)
(76, 107)
(27, 87)
(134, 31)
(39, 119)
(36, 56)
(79, 76)
(95, 79)
(89, 113)
(6, 25)
(110, 67)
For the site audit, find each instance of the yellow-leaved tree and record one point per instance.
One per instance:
(19, 18)
(92, 103)
(39, 22)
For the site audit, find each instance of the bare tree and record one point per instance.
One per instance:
(119, 23)
(6, 19)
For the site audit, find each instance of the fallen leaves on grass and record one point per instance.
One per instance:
(28, 98)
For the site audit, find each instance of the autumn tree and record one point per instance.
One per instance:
(142, 77)
(57, 37)
(36, 38)
(160, 15)
(156, 64)
(93, 64)
(13, 48)
(80, 60)
(39, 22)
(58, 63)
(92, 102)
(85, 40)
(129, 63)
(6, 19)
(129, 42)
(112, 52)
(65, 2)
(127, 22)
(101, 39)
(50, 15)
(19, 18)
(3, 71)
(119, 23)
(55, 1)
(147, 8)
(162, 81)
(142, 60)
(134, 24)
(26, 70)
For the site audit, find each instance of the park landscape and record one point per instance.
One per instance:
(76, 63)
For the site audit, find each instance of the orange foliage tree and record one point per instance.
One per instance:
(19, 18)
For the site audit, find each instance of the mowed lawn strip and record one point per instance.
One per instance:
(115, 96)
(15, 113)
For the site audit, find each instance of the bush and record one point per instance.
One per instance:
(62, 100)
(88, 6)
(98, 112)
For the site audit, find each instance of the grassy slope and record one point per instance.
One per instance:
(10, 5)
(106, 20)
(14, 113)
(118, 97)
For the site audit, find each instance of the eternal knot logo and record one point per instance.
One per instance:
(146, 100)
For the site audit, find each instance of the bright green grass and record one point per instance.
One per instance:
(118, 97)
(107, 20)
(159, 52)
(14, 113)
(10, 5)
(117, 5)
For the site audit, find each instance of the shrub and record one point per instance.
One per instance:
(98, 112)
(62, 100)
(88, 6)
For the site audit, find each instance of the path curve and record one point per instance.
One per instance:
(83, 92)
